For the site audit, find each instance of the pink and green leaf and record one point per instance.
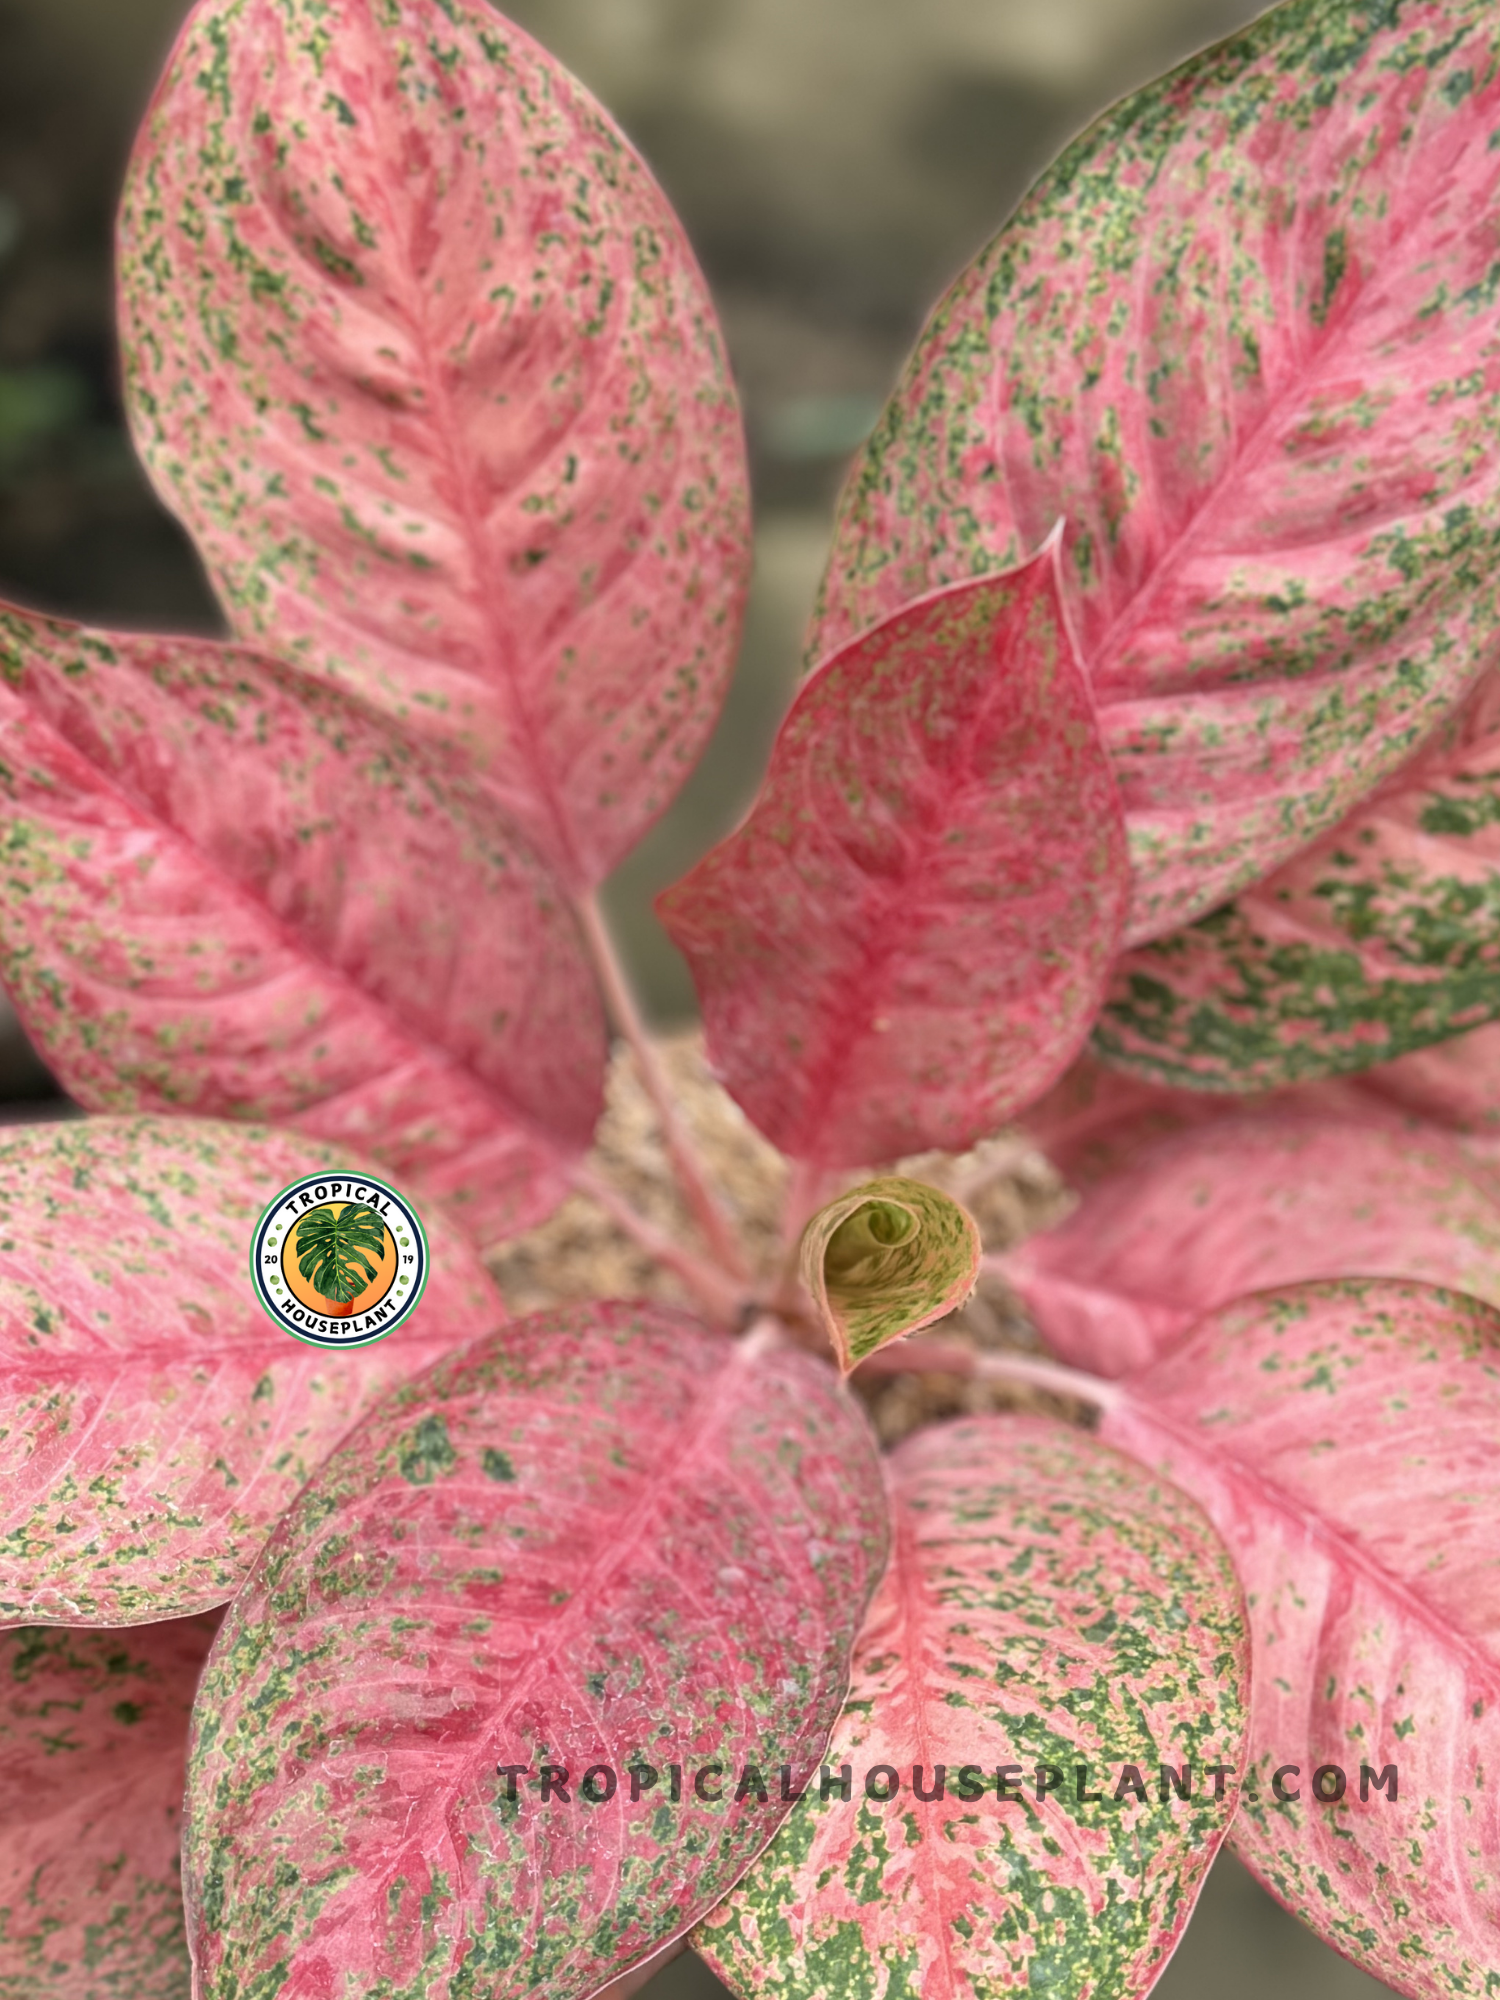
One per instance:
(886, 1258)
(1382, 938)
(1053, 1608)
(1342, 1438)
(604, 1538)
(93, 1745)
(1454, 1083)
(154, 1420)
(1184, 1224)
(233, 892)
(1241, 338)
(417, 350)
(908, 937)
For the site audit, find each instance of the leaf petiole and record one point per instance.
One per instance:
(950, 1357)
(626, 1014)
(722, 1297)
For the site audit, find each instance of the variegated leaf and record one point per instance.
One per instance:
(154, 1420)
(416, 348)
(884, 1259)
(908, 937)
(606, 1538)
(1184, 1224)
(1342, 1437)
(1242, 336)
(230, 891)
(1382, 938)
(93, 1745)
(1454, 1083)
(1054, 1618)
(1095, 1117)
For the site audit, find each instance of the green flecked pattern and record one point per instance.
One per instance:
(890, 1256)
(1182, 1222)
(93, 1741)
(1383, 939)
(604, 1537)
(1342, 1438)
(1240, 339)
(1050, 1603)
(225, 890)
(154, 1420)
(416, 349)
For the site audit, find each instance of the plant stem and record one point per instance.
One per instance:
(802, 1191)
(763, 1336)
(800, 1202)
(949, 1357)
(723, 1297)
(621, 1001)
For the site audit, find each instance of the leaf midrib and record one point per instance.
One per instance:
(263, 916)
(1339, 1544)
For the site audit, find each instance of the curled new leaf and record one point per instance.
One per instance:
(154, 1420)
(909, 936)
(93, 1745)
(885, 1259)
(1342, 1439)
(1241, 338)
(1057, 1628)
(605, 1542)
(233, 892)
(416, 348)
(1382, 938)
(1182, 1225)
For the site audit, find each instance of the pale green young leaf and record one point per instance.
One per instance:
(886, 1258)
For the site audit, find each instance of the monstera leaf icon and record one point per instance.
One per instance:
(331, 1247)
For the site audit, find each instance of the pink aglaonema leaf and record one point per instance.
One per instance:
(1095, 1117)
(606, 1543)
(93, 1745)
(1454, 1083)
(1188, 1223)
(1382, 938)
(154, 1420)
(1342, 1438)
(1241, 338)
(908, 936)
(1055, 1618)
(417, 350)
(234, 893)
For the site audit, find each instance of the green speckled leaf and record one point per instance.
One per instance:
(1343, 1439)
(886, 1258)
(417, 350)
(154, 1419)
(228, 890)
(1187, 1222)
(1050, 1607)
(1382, 938)
(604, 1538)
(93, 1747)
(1241, 337)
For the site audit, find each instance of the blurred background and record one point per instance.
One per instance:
(836, 162)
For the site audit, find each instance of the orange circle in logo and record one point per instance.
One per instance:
(385, 1267)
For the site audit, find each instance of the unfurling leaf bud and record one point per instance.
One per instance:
(884, 1259)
